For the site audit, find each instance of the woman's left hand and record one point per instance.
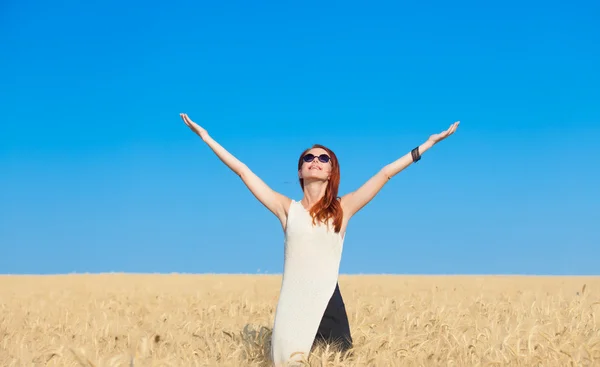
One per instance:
(436, 138)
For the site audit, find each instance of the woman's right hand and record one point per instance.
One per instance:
(194, 126)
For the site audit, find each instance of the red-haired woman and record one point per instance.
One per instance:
(314, 229)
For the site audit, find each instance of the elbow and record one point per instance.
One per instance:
(386, 173)
(242, 171)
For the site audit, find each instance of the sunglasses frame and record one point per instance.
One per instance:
(320, 157)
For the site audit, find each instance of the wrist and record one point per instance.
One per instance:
(425, 146)
(419, 150)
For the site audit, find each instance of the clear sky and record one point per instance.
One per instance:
(98, 173)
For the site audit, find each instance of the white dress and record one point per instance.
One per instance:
(310, 273)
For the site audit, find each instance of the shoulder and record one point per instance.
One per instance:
(286, 203)
(281, 206)
(346, 207)
(343, 200)
(282, 200)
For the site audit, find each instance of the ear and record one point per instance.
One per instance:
(299, 173)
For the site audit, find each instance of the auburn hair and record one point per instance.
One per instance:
(328, 207)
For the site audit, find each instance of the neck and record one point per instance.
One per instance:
(313, 192)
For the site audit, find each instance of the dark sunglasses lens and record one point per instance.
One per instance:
(309, 158)
(324, 158)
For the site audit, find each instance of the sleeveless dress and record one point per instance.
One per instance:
(312, 255)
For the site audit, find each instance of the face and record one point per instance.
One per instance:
(316, 164)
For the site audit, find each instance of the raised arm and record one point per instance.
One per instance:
(356, 200)
(271, 199)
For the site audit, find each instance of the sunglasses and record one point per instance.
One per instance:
(323, 158)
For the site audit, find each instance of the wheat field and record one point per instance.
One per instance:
(225, 320)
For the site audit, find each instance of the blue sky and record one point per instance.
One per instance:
(99, 173)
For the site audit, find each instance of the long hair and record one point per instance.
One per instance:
(328, 207)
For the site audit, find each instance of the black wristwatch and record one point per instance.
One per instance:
(415, 154)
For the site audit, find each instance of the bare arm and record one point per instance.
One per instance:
(354, 201)
(271, 199)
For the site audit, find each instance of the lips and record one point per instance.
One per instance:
(315, 167)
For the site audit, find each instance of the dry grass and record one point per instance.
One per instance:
(193, 320)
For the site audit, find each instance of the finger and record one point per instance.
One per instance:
(185, 119)
(192, 123)
(452, 129)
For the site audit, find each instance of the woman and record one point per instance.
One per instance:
(314, 229)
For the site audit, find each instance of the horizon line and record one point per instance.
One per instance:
(280, 274)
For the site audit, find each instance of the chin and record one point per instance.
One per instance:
(316, 176)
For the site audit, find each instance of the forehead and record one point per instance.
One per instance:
(317, 151)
